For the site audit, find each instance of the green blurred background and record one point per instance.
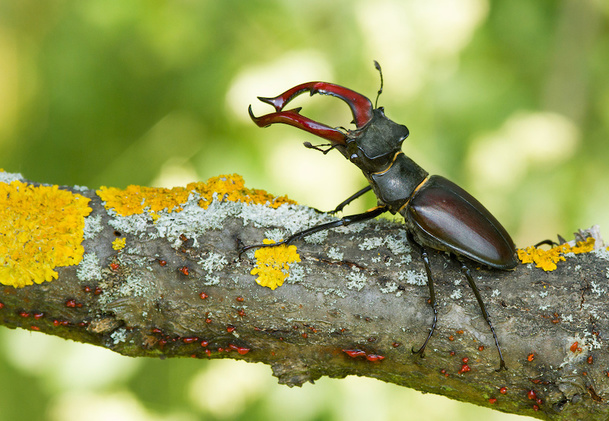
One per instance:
(510, 99)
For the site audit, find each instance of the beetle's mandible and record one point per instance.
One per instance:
(438, 213)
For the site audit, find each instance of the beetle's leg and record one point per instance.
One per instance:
(351, 199)
(550, 243)
(470, 280)
(432, 302)
(343, 222)
(345, 202)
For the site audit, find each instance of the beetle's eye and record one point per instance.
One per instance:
(354, 158)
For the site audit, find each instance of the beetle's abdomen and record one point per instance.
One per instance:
(394, 186)
(443, 216)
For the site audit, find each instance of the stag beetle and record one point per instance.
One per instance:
(438, 213)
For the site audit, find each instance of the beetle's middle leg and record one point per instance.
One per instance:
(344, 221)
(351, 198)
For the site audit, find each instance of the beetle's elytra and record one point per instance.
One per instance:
(438, 213)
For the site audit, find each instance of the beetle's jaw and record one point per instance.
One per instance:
(360, 106)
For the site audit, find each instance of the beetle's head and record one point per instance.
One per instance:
(373, 147)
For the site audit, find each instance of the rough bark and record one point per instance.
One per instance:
(359, 288)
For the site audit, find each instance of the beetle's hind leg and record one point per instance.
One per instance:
(432, 301)
(470, 280)
(347, 220)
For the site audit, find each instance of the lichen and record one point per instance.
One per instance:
(89, 269)
(357, 280)
(41, 228)
(273, 264)
(547, 259)
(8, 177)
(213, 262)
(232, 188)
(93, 226)
(137, 199)
(119, 244)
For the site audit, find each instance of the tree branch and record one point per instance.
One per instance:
(355, 304)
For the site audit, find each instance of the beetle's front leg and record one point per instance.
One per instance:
(343, 222)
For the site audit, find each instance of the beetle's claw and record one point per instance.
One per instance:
(243, 248)
(420, 351)
(502, 366)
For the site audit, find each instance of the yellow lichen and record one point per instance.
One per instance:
(273, 264)
(137, 199)
(583, 246)
(232, 188)
(41, 228)
(547, 259)
(119, 243)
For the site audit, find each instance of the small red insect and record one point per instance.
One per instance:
(354, 353)
(464, 369)
(240, 349)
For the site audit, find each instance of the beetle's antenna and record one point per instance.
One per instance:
(378, 67)
(318, 147)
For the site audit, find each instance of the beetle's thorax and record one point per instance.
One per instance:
(373, 147)
(376, 149)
